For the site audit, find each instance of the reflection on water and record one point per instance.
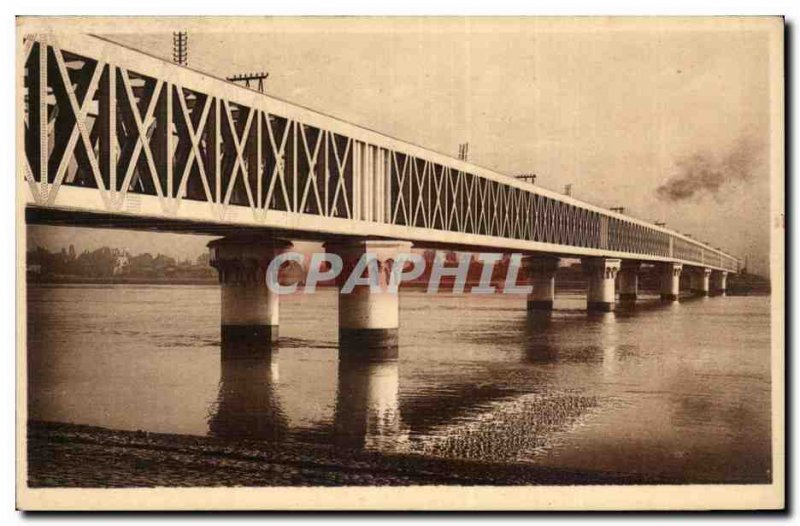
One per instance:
(547, 340)
(248, 404)
(680, 390)
(367, 413)
(541, 341)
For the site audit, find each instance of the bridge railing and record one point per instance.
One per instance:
(101, 116)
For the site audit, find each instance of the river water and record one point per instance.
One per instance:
(677, 391)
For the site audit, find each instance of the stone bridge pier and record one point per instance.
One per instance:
(601, 274)
(368, 319)
(699, 281)
(249, 310)
(629, 281)
(541, 272)
(671, 281)
(719, 282)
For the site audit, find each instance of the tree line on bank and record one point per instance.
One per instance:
(107, 264)
(110, 263)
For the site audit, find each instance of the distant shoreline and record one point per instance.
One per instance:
(118, 280)
(565, 286)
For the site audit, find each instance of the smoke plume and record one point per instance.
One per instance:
(702, 173)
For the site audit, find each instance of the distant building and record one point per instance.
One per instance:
(121, 263)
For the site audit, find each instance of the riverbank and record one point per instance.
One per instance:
(561, 287)
(67, 455)
(119, 280)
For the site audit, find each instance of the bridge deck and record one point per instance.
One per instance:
(115, 136)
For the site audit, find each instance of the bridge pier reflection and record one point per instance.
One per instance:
(540, 338)
(247, 404)
(550, 340)
(249, 310)
(367, 412)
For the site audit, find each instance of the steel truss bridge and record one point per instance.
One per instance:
(113, 136)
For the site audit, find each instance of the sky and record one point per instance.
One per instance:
(669, 119)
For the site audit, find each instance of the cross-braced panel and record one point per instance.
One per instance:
(126, 131)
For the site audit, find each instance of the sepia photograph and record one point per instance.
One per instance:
(365, 263)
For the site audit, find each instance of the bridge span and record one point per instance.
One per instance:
(112, 136)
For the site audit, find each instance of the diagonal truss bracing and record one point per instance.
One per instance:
(128, 127)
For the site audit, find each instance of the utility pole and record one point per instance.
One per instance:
(529, 177)
(180, 48)
(247, 77)
(463, 151)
